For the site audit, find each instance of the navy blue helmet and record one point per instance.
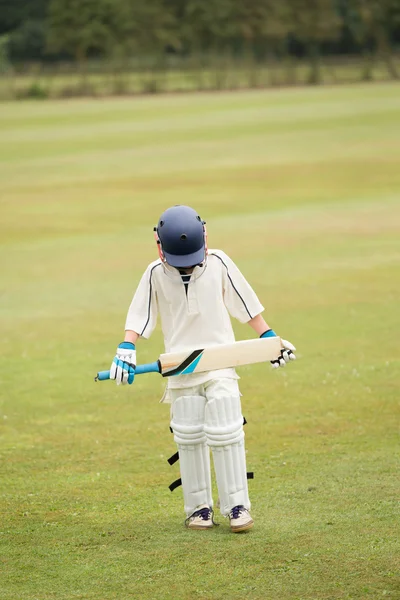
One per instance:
(181, 235)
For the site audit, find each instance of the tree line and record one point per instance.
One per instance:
(78, 30)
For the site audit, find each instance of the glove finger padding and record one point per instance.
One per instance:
(131, 376)
(289, 350)
(279, 362)
(125, 373)
(286, 356)
(113, 369)
(120, 373)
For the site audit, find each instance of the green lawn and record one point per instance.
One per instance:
(301, 187)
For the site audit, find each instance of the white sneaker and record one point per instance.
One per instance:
(201, 518)
(240, 519)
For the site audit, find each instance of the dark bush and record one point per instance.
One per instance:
(35, 91)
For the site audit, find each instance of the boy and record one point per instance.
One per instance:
(195, 290)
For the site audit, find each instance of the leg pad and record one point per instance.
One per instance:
(225, 436)
(194, 456)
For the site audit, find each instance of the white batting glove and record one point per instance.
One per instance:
(287, 352)
(123, 366)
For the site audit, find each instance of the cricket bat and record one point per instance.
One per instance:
(223, 356)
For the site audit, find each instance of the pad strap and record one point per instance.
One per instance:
(175, 484)
(173, 459)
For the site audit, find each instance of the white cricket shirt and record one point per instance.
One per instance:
(195, 317)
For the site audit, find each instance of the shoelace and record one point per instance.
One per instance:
(204, 513)
(236, 511)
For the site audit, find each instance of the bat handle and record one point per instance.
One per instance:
(153, 367)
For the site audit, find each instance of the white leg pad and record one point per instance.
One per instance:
(225, 435)
(194, 455)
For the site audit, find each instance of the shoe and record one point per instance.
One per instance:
(240, 519)
(202, 518)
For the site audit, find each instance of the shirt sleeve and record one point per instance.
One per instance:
(239, 297)
(142, 313)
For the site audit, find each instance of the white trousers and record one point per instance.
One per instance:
(203, 417)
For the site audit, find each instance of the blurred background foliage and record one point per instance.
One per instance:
(98, 47)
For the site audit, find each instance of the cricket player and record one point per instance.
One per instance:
(195, 291)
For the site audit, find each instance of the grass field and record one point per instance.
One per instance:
(301, 187)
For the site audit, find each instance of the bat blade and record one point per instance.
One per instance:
(220, 357)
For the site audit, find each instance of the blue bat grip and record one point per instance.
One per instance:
(153, 367)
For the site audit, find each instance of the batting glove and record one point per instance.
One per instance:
(123, 366)
(287, 352)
